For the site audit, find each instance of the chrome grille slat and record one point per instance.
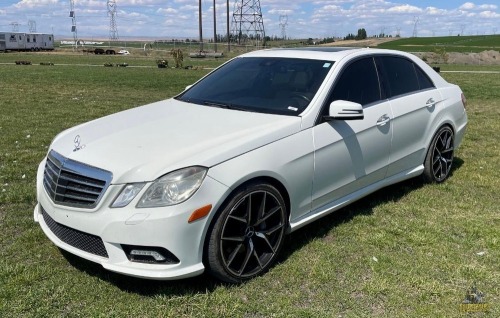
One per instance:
(73, 183)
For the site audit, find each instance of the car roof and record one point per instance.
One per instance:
(319, 53)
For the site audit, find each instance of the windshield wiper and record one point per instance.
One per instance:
(222, 105)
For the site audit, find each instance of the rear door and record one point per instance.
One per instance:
(413, 99)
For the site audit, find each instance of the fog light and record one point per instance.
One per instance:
(157, 256)
(149, 254)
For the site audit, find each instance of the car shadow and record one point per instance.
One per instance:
(295, 241)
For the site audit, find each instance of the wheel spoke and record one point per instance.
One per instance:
(268, 215)
(249, 209)
(263, 237)
(233, 238)
(233, 254)
(262, 208)
(273, 229)
(247, 257)
(257, 258)
(447, 150)
(240, 219)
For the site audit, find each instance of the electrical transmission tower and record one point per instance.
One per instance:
(283, 24)
(72, 15)
(248, 24)
(32, 26)
(462, 29)
(15, 26)
(113, 31)
(415, 31)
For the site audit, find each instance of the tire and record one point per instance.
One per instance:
(248, 234)
(439, 158)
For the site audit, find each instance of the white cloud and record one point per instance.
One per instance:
(167, 11)
(489, 15)
(28, 4)
(467, 6)
(405, 9)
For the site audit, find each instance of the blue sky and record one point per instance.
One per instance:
(316, 18)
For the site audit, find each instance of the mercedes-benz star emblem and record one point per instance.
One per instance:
(77, 142)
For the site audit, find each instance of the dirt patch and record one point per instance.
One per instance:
(371, 42)
(486, 57)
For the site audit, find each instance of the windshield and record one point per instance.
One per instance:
(261, 84)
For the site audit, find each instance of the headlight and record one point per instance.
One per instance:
(173, 188)
(127, 194)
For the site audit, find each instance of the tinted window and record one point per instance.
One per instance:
(423, 80)
(261, 84)
(400, 74)
(358, 83)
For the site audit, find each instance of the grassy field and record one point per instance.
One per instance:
(464, 44)
(410, 250)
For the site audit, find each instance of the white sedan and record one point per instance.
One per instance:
(214, 178)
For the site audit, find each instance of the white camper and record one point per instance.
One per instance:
(17, 41)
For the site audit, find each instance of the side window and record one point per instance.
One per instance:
(400, 74)
(423, 80)
(358, 83)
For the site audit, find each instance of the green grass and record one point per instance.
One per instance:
(425, 238)
(449, 43)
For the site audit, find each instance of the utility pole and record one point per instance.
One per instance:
(200, 26)
(215, 30)
(72, 15)
(227, 27)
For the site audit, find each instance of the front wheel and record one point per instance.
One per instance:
(248, 234)
(439, 159)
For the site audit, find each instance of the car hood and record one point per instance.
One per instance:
(143, 143)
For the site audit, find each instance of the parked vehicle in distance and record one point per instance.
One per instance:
(214, 178)
(20, 41)
(123, 52)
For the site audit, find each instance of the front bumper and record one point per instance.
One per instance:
(165, 227)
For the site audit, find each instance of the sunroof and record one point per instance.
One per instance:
(320, 49)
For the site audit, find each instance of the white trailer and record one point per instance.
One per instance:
(16, 41)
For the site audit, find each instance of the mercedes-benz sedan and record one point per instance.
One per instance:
(214, 178)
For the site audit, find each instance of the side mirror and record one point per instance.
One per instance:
(188, 87)
(344, 110)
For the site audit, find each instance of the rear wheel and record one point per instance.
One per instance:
(439, 159)
(248, 234)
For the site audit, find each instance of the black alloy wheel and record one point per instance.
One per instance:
(439, 159)
(248, 235)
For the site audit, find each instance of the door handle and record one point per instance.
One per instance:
(384, 119)
(430, 103)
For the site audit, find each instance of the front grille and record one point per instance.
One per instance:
(80, 240)
(73, 183)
